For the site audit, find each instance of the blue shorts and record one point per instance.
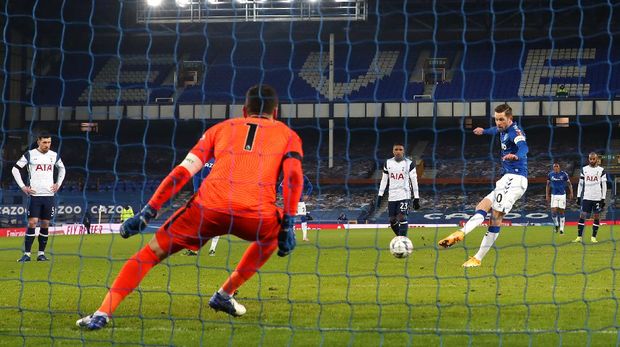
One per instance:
(591, 206)
(41, 207)
(396, 207)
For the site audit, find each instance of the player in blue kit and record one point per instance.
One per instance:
(556, 196)
(197, 181)
(508, 189)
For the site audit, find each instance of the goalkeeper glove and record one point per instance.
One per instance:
(138, 223)
(286, 236)
(602, 204)
(578, 201)
(416, 204)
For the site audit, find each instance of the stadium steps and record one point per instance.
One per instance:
(455, 65)
(416, 75)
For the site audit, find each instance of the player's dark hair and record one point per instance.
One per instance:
(261, 99)
(398, 144)
(43, 135)
(504, 108)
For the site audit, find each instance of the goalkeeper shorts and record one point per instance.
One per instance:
(193, 225)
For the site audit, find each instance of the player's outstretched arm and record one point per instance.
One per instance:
(292, 188)
(171, 185)
(489, 131)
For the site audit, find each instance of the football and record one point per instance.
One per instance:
(401, 247)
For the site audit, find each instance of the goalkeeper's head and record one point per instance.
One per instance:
(261, 100)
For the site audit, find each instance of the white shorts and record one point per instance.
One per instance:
(558, 201)
(301, 208)
(508, 190)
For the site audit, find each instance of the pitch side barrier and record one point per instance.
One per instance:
(113, 228)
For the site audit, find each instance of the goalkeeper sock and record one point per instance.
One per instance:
(487, 242)
(580, 226)
(595, 225)
(562, 221)
(128, 278)
(214, 241)
(474, 221)
(304, 230)
(254, 257)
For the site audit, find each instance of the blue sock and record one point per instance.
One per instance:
(555, 219)
(482, 212)
(493, 229)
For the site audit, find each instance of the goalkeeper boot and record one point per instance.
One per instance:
(453, 239)
(94, 321)
(593, 239)
(42, 257)
(219, 302)
(24, 258)
(189, 252)
(212, 253)
(472, 262)
(577, 240)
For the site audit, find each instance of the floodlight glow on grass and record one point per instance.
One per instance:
(154, 3)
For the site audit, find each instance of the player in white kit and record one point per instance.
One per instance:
(40, 188)
(401, 180)
(591, 192)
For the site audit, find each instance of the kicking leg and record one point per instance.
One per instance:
(481, 212)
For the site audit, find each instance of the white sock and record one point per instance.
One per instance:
(27, 253)
(473, 222)
(224, 293)
(556, 220)
(562, 221)
(41, 252)
(487, 242)
(304, 230)
(99, 313)
(214, 241)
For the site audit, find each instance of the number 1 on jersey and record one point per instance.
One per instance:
(249, 138)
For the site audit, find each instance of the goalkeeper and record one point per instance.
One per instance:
(238, 197)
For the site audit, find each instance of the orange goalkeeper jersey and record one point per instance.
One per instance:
(248, 156)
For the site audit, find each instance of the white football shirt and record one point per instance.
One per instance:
(592, 183)
(401, 178)
(40, 171)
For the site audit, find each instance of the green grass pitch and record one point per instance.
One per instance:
(342, 288)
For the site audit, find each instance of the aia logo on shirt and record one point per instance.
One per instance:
(397, 176)
(43, 167)
(592, 178)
